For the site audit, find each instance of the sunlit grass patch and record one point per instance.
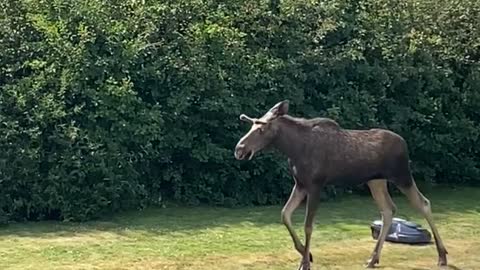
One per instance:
(246, 238)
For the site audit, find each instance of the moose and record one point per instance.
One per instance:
(321, 152)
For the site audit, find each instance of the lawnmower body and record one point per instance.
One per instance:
(402, 231)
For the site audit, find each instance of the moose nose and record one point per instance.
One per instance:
(239, 151)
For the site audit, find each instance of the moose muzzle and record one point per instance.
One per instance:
(241, 152)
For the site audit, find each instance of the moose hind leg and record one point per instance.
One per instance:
(422, 204)
(379, 191)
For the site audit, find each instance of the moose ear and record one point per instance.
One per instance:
(280, 108)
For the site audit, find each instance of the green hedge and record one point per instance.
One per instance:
(110, 105)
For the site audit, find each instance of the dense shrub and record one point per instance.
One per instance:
(107, 105)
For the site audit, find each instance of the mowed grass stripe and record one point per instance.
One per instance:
(244, 238)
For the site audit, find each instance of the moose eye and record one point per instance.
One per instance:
(260, 122)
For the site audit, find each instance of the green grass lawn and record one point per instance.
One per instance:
(246, 238)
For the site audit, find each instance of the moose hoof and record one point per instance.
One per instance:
(442, 258)
(442, 261)
(372, 262)
(304, 266)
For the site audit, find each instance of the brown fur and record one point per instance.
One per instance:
(323, 152)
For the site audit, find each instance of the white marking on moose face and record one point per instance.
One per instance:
(245, 146)
(294, 169)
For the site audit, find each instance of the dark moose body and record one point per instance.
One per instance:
(319, 151)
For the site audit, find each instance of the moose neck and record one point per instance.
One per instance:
(290, 138)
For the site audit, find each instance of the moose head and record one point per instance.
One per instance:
(262, 132)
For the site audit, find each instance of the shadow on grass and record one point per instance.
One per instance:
(448, 267)
(351, 210)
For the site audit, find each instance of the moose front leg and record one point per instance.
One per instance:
(296, 197)
(313, 200)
